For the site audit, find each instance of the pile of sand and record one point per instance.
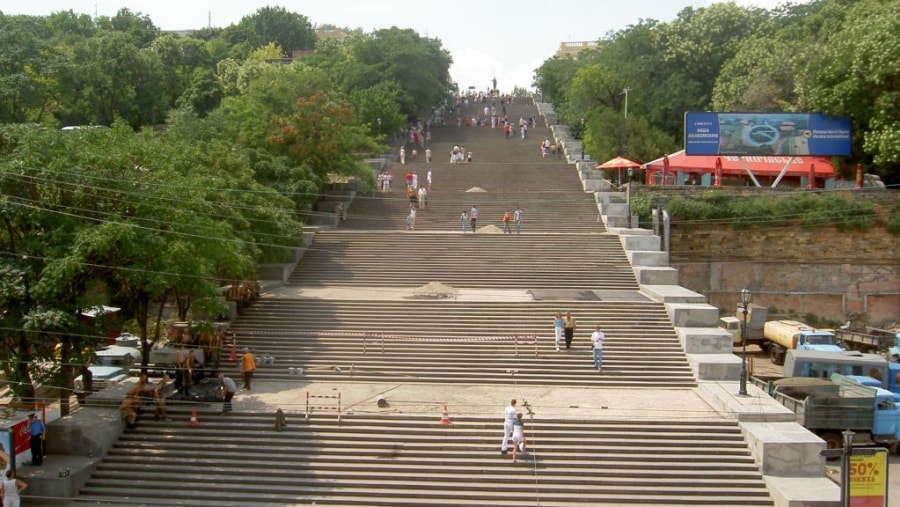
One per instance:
(476, 189)
(489, 229)
(435, 290)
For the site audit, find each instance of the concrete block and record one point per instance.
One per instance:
(693, 314)
(705, 340)
(803, 491)
(609, 197)
(672, 294)
(45, 481)
(614, 209)
(785, 449)
(757, 406)
(631, 229)
(640, 242)
(715, 367)
(652, 275)
(279, 271)
(646, 258)
(616, 221)
(89, 431)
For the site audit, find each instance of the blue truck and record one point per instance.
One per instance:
(827, 407)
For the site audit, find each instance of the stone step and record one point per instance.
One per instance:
(404, 458)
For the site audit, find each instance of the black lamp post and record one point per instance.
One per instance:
(746, 297)
(582, 139)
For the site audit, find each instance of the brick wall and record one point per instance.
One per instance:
(831, 274)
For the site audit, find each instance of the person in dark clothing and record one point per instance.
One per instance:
(38, 436)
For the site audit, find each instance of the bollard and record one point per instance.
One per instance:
(279, 420)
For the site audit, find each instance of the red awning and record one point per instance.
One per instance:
(735, 166)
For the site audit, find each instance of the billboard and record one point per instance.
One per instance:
(766, 134)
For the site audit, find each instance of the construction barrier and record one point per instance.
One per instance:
(336, 405)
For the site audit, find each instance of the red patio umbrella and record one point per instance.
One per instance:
(618, 163)
(718, 182)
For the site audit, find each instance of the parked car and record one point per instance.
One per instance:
(111, 366)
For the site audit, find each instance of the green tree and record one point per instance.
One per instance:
(138, 27)
(853, 72)
(288, 30)
(204, 93)
(110, 77)
(419, 65)
(321, 134)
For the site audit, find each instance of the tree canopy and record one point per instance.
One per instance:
(191, 159)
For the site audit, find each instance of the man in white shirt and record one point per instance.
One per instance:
(509, 416)
(597, 338)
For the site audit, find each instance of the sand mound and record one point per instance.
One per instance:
(489, 229)
(476, 189)
(434, 290)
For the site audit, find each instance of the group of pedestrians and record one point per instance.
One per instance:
(564, 330)
(513, 429)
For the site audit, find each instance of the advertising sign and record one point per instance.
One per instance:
(766, 134)
(868, 479)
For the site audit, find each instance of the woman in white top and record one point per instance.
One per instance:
(11, 488)
(518, 435)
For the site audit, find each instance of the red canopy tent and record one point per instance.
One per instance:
(747, 166)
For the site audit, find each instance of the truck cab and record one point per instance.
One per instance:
(733, 326)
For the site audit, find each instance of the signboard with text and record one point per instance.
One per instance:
(869, 479)
(766, 134)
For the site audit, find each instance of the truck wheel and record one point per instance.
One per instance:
(832, 441)
(776, 355)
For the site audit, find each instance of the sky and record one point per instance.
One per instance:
(505, 39)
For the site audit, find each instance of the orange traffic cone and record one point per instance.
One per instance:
(445, 416)
(233, 355)
(194, 422)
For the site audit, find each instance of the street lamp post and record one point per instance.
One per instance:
(582, 139)
(746, 297)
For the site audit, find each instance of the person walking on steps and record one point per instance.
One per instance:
(248, 366)
(509, 416)
(518, 435)
(597, 338)
(506, 218)
(464, 221)
(569, 329)
(517, 218)
(557, 329)
(473, 216)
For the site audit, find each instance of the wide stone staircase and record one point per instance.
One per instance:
(403, 460)
(372, 303)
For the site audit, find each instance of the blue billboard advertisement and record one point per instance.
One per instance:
(766, 134)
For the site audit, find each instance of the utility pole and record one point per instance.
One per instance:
(624, 131)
